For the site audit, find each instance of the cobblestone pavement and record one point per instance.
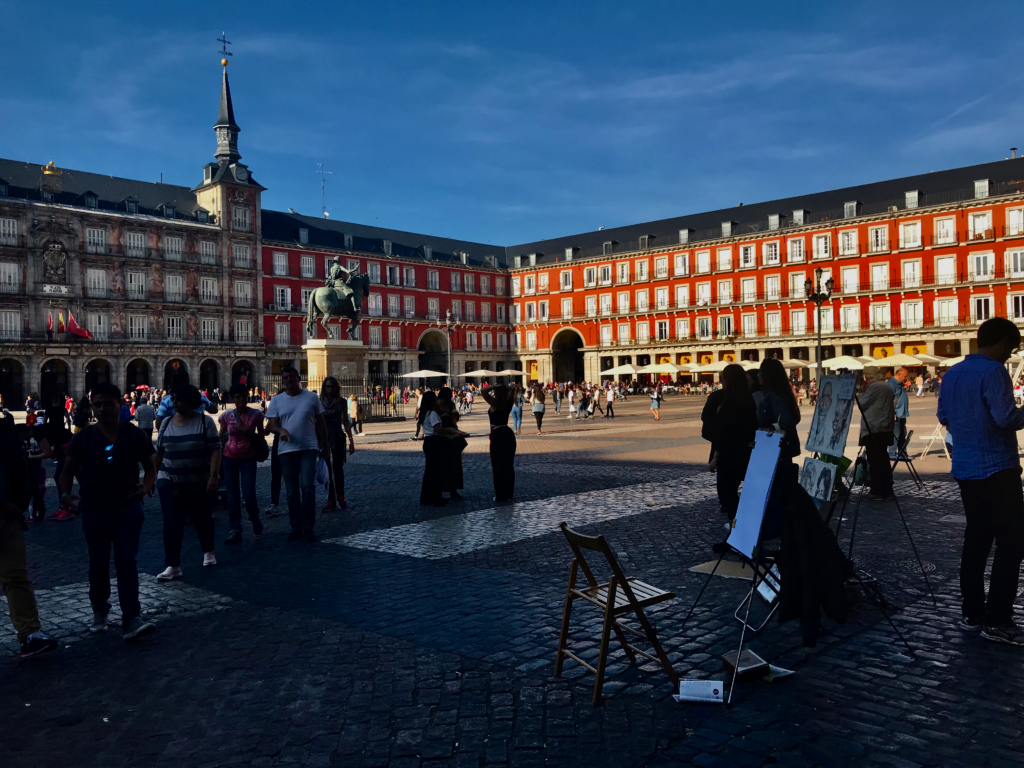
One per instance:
(414, 636)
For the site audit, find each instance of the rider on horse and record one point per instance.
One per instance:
(337, 278)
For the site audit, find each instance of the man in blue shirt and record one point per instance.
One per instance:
(902, 404)
(976, 406)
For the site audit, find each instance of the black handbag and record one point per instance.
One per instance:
(259, 445)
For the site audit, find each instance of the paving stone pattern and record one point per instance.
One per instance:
(413, 636)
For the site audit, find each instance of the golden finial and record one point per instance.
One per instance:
(223, 62)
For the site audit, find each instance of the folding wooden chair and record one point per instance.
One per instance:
(618, 596)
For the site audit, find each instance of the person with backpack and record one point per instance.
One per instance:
(105, 457)
(14, 498)
(241, 431)
(656, 399)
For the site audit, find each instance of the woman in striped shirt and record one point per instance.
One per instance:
(188, 455)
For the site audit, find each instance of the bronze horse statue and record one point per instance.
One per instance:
(328, 302)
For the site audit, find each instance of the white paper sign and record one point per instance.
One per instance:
(703, 691)
(757, 484)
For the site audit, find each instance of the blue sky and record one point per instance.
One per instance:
(511, 122)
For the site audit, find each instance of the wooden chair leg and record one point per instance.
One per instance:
(652, 637)
(563, 637)
(609, 620)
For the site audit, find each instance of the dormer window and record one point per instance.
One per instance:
(3, 189)
(428, 252)
(303, 236)
(202, 216)
(799, 216)
(387, 247)
(644, 242)
(727, 228)
(911, 198)
(463, 257)
(132, 206)
(568, 254)
(90, 201)
(684, 235)
(533, 259)
(850, 209)
(980, 189)
(348, 242)
(208, 174)
(775, 220)
(606, 248)
(169, 211)
(518, 261)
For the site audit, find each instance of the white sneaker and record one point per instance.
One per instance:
(209, 558)
(169, 574)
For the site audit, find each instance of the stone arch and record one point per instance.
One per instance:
(244, 368)
(53, 381)
(563, 330)
(98, 370)
(172, 367)
(12, 383)
(137, 371)
(567, 355)
(209, 375)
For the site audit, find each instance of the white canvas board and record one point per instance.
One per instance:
(818, 478)
(832, 414)
(757, 484)
(703, 691)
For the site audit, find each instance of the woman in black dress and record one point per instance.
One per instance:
(503, 441)
(435, 451)
(455, 445)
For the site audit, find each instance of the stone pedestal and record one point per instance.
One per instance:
(333, 357)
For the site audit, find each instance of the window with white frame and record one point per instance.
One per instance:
(623, 333)
(95, 240)
(308, 267)
(394, 338)
(591, 306)
(825, 319)
(748, 256)
(1015, 263)
(724, 326)
(282, 298)
(703, 262)
(432, 309)
(242, 257)
(515, 286)
(305, 294)
(485, 285)
(174, 288)
(913, 314)
(725, 291)
(641, 301)
(486, 338)
(946, 312)
(375, 305)
(173, 247)
(878, 239)
(703, 294)
(773, 323)
(945, 270)
(375, 336)
(135, 244)
(849, 318)
(207, 252)
(980, 225)
(1015, 222)
(724, 258)
(822, 246)
(623, 300)
(566, 278)
(240, 218)
(566, 309)
(589, 277)
(456, 282)
(10, 277)
(703, 328)
(501, 341)
(623, 272)
(981, 309)
(749, 325)
(661, 268)
(796, 285)
(280, 263)
(409, 306)
(984, 264)
(945, 231)
(606, 335)
(771, 288)
(531, 340)
(604, 275)
(880, 319)
(661, 330)
(848, 243)
(96, 282)
(981, 189)
(879, 277)
(606, 304)
(499, 286)
(392, 274)
(500, 309)
(243, 293)
(682, 328)
(138, 325)
(910, 235)
(542, 282)
(209, 329)
(771, 253)
(660, 298)
(748, 289)
(682, 296)
(467, 280)
(682, 264)
(795, 249)
(9, 232)
(208, 292)
(851, 279)
(531, 311)
(641, 270)
(98, 324)
(433, 279)
(798, 322)
(394, 306)
(643, 333)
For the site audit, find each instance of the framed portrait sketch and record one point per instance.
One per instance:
(832, 414)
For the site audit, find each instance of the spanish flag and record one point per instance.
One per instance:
(60, 321)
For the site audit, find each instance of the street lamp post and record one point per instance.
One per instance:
(819, 297)
(448, 328)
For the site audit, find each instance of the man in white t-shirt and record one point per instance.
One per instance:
(609, 402)
(297, 416)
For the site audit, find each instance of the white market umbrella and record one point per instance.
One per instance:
(929, 359)
(718, 367)
(510, 372)
(844, 361)
(480, 373)
(423, 374)
(793, 363)
(621, 369)
(660, 368)
(895, 361)
(946, 362)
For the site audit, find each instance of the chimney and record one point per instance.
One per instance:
(1013, 152)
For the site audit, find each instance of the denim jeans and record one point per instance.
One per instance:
(240, 475)
(120, 529)
(298, 468)
(517, 417)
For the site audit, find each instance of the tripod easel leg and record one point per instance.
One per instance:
(913, 546)
(701, 593)
(885, 613)
(746, 621)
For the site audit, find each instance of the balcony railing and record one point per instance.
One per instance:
(222, 337)
(209, 298)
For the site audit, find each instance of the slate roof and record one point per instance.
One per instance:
(23, 181)
(938, 187)
(329, 233)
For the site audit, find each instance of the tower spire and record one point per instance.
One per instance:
(226, 128)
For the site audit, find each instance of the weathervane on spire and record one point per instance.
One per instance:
(224, 52)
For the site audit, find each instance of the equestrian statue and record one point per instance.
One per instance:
(341, 296)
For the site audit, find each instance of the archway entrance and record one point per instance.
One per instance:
(96, 372)
(11, 388)
(243, 370)
(172, 369)
(137, 373)
(53, 382)
(209, 375)
(433, 352)
(567, 356)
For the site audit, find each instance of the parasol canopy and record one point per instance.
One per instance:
(423, 374)
(845, 361)
(479, 373)
(620, 369)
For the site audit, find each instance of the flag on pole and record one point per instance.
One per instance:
(49, 321)
(76, 329)
(60, 321)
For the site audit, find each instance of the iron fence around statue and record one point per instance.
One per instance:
(380, 396)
